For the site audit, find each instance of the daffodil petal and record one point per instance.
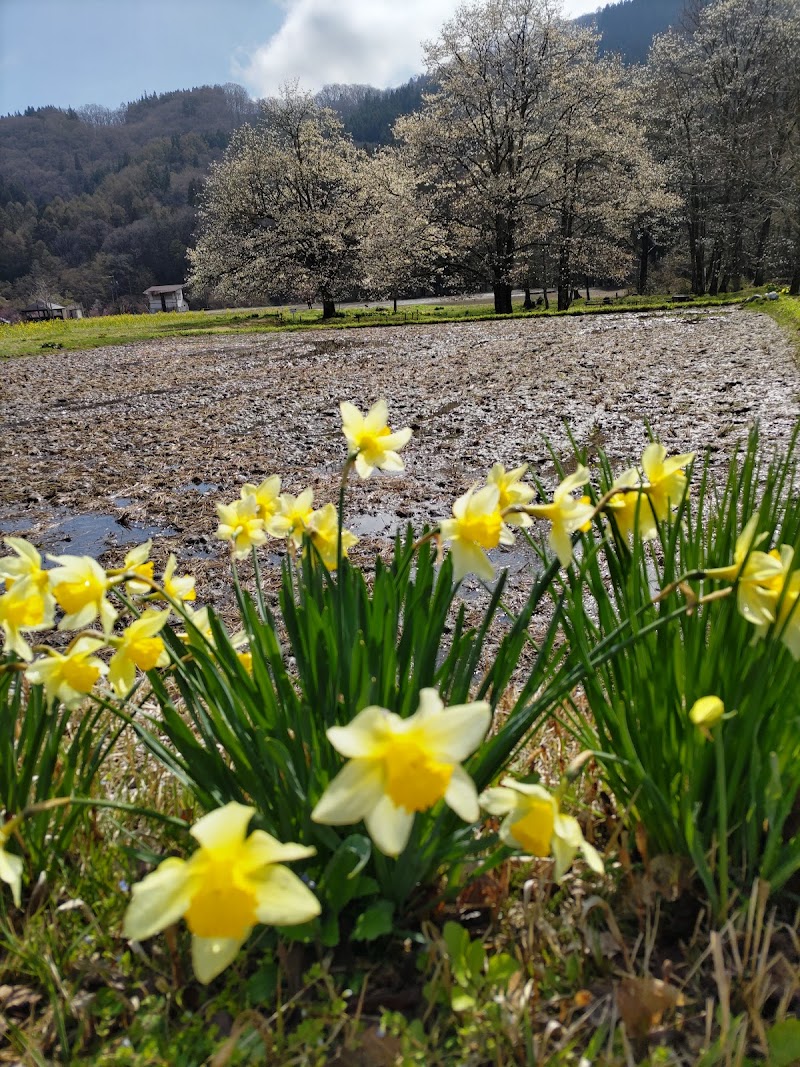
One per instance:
(567, 839)
(262, 848)
(457, 731)
(389, 826)
(284, 899)
(223, 825)
(561, 543)
(158, 900)
(360, 737)
(11, 873)
(377, 417)
(462, 796)
(355, 791)
(592, 857)
(498, 800)
(211, 955)
(363, 468)
(470, 559)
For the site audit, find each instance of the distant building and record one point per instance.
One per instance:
(44, 309)
(165, 298)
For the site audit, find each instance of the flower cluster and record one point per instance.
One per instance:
(79, 590)
(767, 589)
(482, 517)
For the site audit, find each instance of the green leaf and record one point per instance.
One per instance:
(500, 968)
(462, 1001)
(784, 1043)
(375, 922)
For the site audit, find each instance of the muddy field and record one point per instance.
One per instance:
(104, 448)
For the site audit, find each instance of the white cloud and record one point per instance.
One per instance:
(373, 42)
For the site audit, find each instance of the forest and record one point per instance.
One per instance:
(97, 204)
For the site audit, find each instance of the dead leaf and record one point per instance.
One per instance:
(18, 998)
(642, 1001)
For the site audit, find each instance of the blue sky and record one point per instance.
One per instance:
(75, 52)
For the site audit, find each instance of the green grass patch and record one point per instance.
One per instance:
(786, 312)
(33, 338)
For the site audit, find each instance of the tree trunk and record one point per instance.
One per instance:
(544, 279)
(328, 308)
(502, 298)
(645, 249)
(394, 302)
(588, 297)
(794, 285)
(528, 304)
(761, 248)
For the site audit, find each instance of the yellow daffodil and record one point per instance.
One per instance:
(10, 865)
(266, 496)
(27, 564)
(323, 529)
(201, 621)
(706, 712)
(477, 525)
(242, 525)
(231, 883)
(786, 587)
(24, 607)
(70, 677)
(566, 514)
(138, 561)
(370, 440)
(665, 478)
(397, 767)
(139, 646)
(511, 491)
(291, 518)
(758, 576)
(180, 588)
(535, 824)
(246, 660)
(80, 585)
(623, 507)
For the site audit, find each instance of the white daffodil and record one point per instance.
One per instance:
(397, 767)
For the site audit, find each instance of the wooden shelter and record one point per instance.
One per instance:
(165, 298)
(43, 309)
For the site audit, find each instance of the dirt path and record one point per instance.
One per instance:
(106, 447)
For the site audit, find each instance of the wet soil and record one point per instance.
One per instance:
(105, 448)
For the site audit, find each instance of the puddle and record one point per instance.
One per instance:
(122, 501)
(198, 487)
(14, 526)
(92, 535)
(381, 524)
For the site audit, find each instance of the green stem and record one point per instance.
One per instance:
(722, 822)
(262, 607)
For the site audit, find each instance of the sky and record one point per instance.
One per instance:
(74, 52)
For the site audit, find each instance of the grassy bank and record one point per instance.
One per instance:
(26, 339)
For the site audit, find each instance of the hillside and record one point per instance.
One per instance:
(628, 27)
(96, 203)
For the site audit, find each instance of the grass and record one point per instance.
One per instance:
(786, 313)
(622, 979)
(31, 338)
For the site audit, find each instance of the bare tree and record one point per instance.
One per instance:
(726, 107)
